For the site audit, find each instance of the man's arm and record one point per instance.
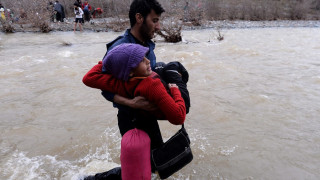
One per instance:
(137, 102)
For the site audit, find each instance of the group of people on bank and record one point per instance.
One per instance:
(6, 14)
(143, 90)
(83, 12)
(57, 11)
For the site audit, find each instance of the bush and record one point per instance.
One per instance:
(316, 4)
(118, 25)
(7, 27)
(298, 10)
(171, 32)
(213, 10)
(43, 26)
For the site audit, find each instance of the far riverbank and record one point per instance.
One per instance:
(108, 24)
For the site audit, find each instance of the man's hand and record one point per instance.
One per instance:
(140, 102)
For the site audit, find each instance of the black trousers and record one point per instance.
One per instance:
(86, 15)
(129, 119)
(58, 16)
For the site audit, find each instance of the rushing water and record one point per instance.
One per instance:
(255, 100)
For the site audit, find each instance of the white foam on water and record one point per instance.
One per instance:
(95, 166)
(21, 166)
(316, 79)
(66, 53)
(40, 61)
(21, 59)
(199, 138)
(92, 168)
(227, 151)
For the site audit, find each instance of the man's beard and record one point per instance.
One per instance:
(146, 32)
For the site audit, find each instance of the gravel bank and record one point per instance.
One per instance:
(103, 25)
(262, 24)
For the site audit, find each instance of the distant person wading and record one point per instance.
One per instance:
(78, 19)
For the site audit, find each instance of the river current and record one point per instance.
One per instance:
(255, 105)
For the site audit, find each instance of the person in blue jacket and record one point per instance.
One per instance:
(59, 9)
(144, 16)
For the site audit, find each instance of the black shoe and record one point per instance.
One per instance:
(113, 174)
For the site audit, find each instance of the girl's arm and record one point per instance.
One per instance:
(81, 12)
(172, 106)
(96, 79)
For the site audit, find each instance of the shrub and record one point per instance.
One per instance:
(43, 26)
(171, 32)
(298, 10)
(7, 27)
(118, 25)
(213, 10)
(316, 4)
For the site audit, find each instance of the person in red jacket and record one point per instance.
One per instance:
(86, 7)
(96, 12)
(131, 75)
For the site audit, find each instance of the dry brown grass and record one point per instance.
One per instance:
(118, 25)
(263, 9)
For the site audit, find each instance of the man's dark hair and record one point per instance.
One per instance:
(143, 7)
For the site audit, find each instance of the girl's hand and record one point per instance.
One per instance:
(172, 86)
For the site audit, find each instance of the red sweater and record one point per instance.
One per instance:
(84, 5)
(172, 107)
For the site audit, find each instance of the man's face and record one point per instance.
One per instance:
(150, 25)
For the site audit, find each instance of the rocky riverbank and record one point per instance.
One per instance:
(110, 24)
(261, 24)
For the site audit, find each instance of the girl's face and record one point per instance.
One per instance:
(143, 69)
